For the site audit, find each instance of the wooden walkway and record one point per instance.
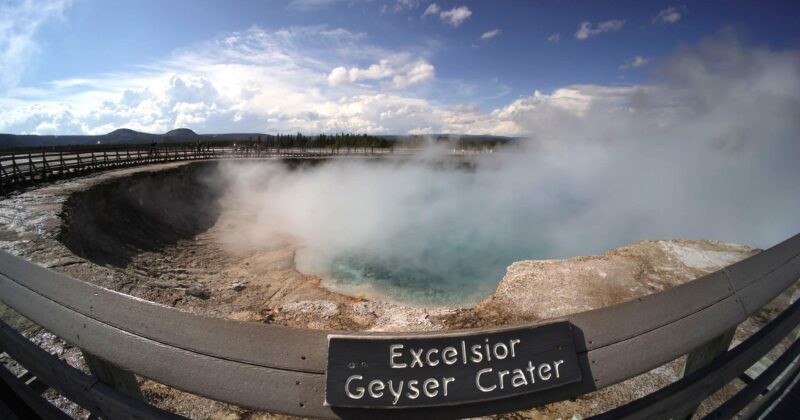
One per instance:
(20, 169)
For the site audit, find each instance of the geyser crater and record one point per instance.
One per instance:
(384, 229)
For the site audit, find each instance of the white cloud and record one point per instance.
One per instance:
(191, 90)
(456, 16)
(400, 6)
(432, 9)
(669, 15)
(339, 76)
(554, 38)
(403, 74)
(587, 30)
(490, 34)
(19, 22)
(257, 80)
(418, 72)
(634, 63)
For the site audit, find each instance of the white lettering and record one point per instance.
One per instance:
(449, 355)
(412, 387)
(531, 368)
(501, 377)
(445, 382)
(513, 343)
(478, 380)
(396, 392)
(477, 357)
(416, 357)
(500, 355)
(428, 357)
(557, 363)
(429, 386)
(518, 379)
(393, 353)
(359, 390)
(544, 368)
(376, 389)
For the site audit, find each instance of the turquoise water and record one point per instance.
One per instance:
(430, 271)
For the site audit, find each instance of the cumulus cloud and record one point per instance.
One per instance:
(554, 38)
(402, 75)
(587, 30)
(634, 63)
(455, 16)
(490, 34)
(671, 14)
(191, 89)
(707, 150)
(342, 75)
(417, 72)
(19, 22)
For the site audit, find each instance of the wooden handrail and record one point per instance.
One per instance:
(282, 369)
(74, 384)
(693, 389)
(20, 168)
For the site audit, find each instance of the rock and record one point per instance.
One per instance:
(63, 262)
(553, 288)
(198, 293)
(238, 287)
(164, 284)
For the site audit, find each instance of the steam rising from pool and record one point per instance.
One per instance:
(709, 149)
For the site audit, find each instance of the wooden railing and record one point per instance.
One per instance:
(282, 369)
(25, 167)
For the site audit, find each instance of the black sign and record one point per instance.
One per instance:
(405, 371)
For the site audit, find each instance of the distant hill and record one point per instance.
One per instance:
(126, 136)
(181, 132)
(119, 136)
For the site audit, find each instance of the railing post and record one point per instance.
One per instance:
(702, 356)
(32, 170)
(18, 176)
(111, 375)
(46, 165)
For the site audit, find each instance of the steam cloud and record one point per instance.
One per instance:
(709, 149)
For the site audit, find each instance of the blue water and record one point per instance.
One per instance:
(430, 271)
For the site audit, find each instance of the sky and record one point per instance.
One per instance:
(320, 66)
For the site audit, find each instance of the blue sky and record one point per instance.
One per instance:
(407, 66)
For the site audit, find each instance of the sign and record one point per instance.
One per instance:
(408, 371)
